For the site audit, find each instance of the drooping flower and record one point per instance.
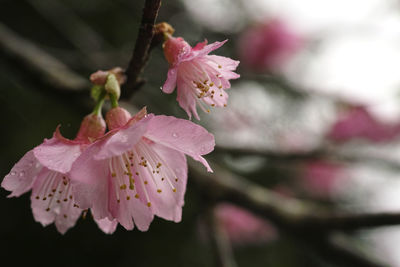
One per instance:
(45, 168)
(139, 168)
(200, 78)
(268, 46)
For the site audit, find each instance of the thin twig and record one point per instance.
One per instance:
(140, 54)
(328, 153)
(220, 244)
(45, 66)
(340, 253)
(291, 214)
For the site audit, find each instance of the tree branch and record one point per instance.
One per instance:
(140, 54)
(293, 215)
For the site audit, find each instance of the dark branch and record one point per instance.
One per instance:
(290, 214)
(140, 54)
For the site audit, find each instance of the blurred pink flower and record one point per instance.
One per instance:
(358, 123)
(319, 177)
(139, 168)
(45, 170)
(268, 46)
(242, 226)
(200, 78)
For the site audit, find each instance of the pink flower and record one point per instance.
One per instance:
(243, 227)
(45, 170)
(268, 46)
(358, 123)
(319, 177)
(201, 78)
(139, 168)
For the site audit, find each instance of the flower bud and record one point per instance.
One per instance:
(92, 127)
(117, 117)
(112, 86)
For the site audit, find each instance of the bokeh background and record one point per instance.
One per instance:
(316, 75)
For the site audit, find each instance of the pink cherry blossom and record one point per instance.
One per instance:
(44, 170)
(320, 177)
(268, 46)
(200, 78)
(243, 227)
(358, 123)
(139, 168)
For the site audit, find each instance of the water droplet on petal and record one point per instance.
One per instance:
(12, 173)
(175, 135)
(203, 148)
(22, 173)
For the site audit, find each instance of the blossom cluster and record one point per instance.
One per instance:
(127, 169)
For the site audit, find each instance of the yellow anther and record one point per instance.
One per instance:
(113, 174)
(159, 190)
(128, 197)
(174, 190)
(148, 204)
(123, 187)
(145, 182)
(219, 66)
(136, 196)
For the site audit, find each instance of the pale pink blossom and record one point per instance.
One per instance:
(44, 170)
(358, 123)
(201, 79)
(319, 177)
(139, 168)
(242, 226)
(268, 46)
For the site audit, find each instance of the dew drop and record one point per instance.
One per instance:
(22, 173)
(13, 173)
(175, 135)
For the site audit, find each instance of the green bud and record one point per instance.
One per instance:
(112, 86)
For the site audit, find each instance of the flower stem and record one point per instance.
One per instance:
(99, 103)
(113, 100)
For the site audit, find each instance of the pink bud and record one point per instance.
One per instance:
(92, 127)
(117, 117)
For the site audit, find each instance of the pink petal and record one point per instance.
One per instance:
(200, 46)
(52, 201)
(206, 50)
(182, 135)
(106, 225)
(168, 202)
(170, 83)
(90, 186)
(186, 100)
(22, 175)
(57, 155)
(123, 140)
(225, 62)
